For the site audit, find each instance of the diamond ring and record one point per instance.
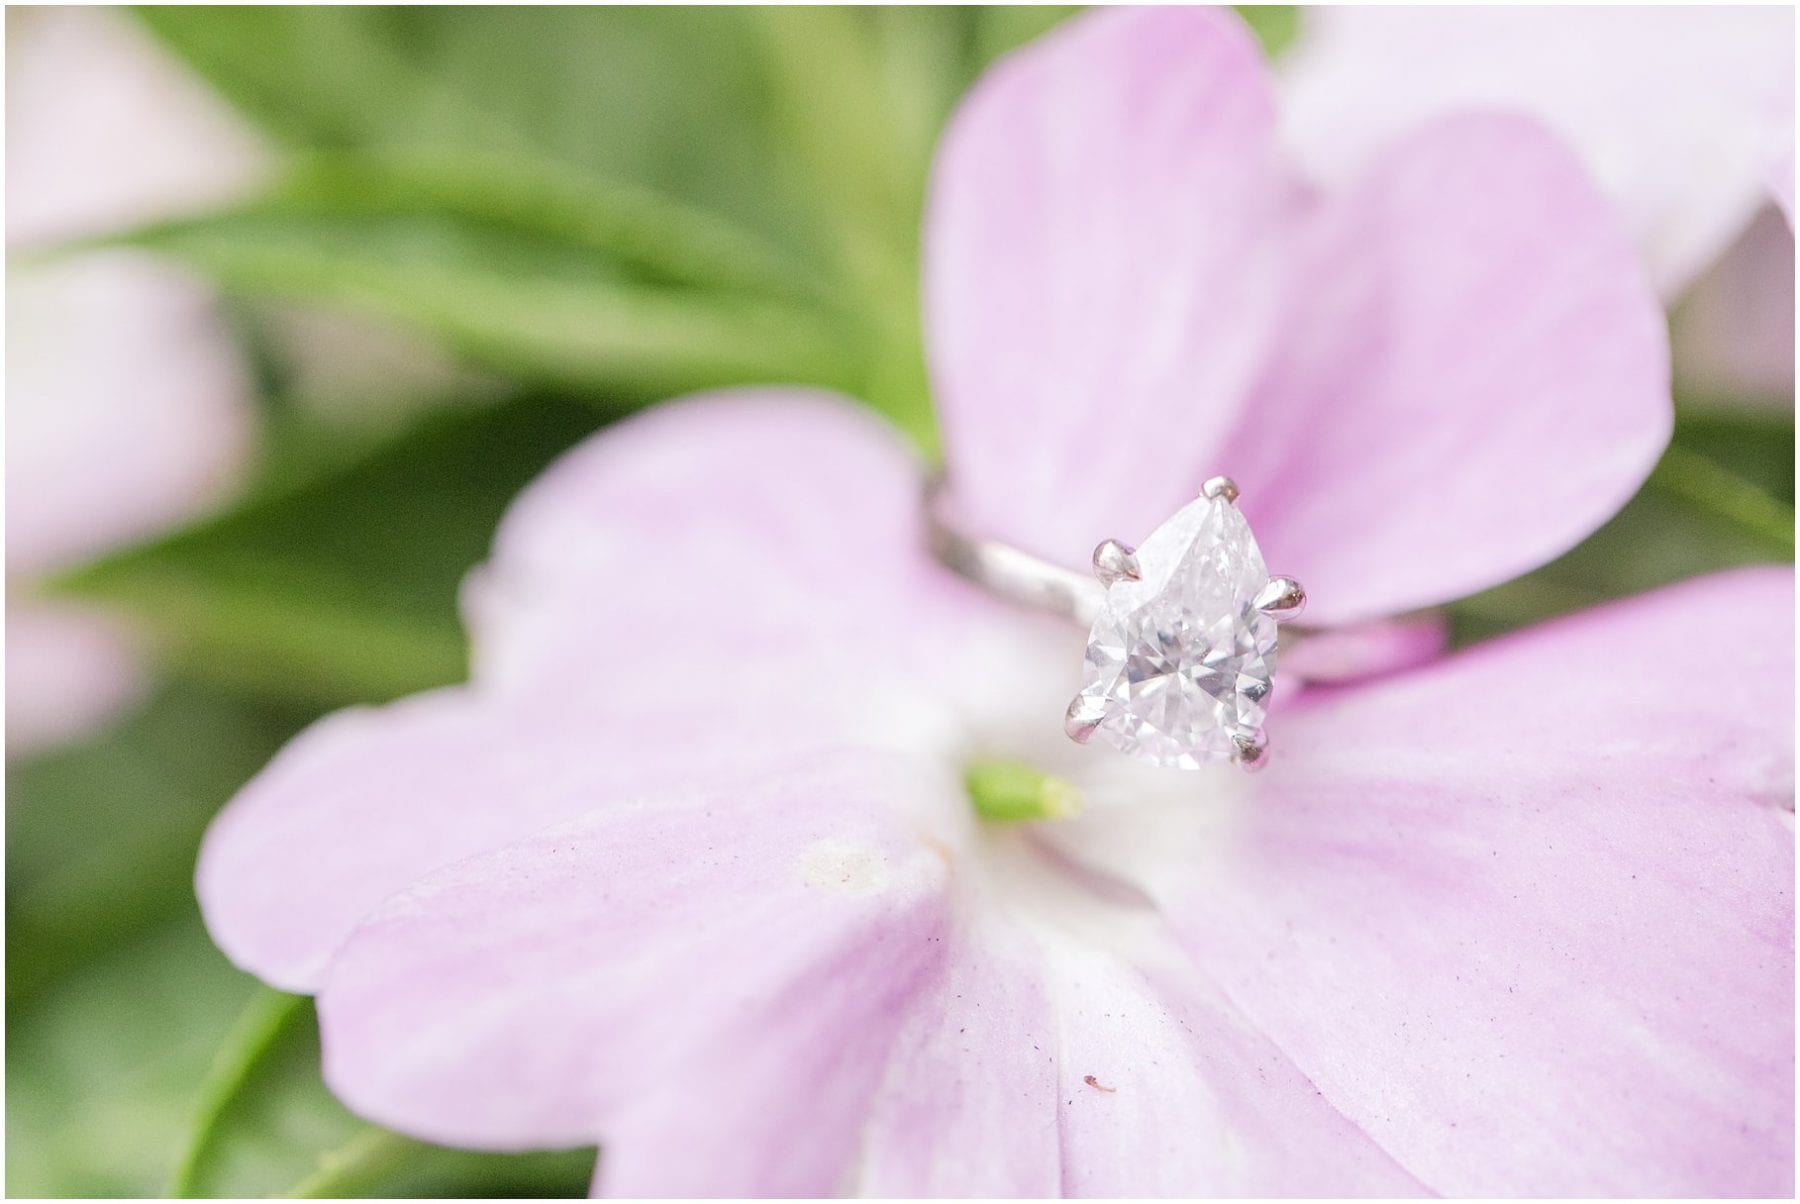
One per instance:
(1182, 630)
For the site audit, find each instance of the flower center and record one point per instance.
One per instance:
(1014, 792)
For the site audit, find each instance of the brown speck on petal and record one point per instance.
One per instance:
(1095, 1083)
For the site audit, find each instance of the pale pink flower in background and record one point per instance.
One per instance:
(1685, 115)
(1733, 333)
(128, 411)
(129, 406)
(689, 867)
(105, 130)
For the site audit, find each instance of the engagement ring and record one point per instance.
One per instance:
(1182, 630)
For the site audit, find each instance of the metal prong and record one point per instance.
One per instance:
(1220, 487)
(1113, 561)
(1252, 751)
(1083, 718)
(1281, 599)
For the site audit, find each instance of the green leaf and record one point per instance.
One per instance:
(101, 1067)
(109, 1073)
(376, 1162)
(656, 240)
(340, 585)
(1275, 25)
(527, 300)
(328, 76)
(132, 1047)
(855, 121)
(1753, 442)
(810, 129)
(268, 1018)
(101, 836)
(841, 135)
(926, 57)
(667, 98)
(1712, 488)
(1001, 29)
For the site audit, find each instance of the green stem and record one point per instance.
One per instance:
(372, 1156)
(258, 1030)
(1721, 492)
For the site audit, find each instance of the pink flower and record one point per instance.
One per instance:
(689, 867)
(129, 403)
(109, 131)
(1733, 333)
(130, 411)
(1685, 115)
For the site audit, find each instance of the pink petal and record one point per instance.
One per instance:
(1733, 334)
(68, 670)
(1527, 917)
(1354, 654)
(1044, 1064)
(969, 1104)
(129, 407)
(1475, 377)
(1682, 114)
(1781, 183)
(368, 800)
(756, 507)
(1124, 294)
(1097, 272)
(716, 583)
(105, 129)
(708, 981)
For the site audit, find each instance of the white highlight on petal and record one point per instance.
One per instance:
(845, 869)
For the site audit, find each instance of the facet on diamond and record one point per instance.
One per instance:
(1181, 661)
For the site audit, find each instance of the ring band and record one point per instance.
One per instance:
(1182, 633)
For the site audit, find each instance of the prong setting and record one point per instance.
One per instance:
(1083, 718)
(1220, 487)
(1113, 561)
(1281, 599)
(1252, 751)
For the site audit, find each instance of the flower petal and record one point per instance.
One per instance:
(130, 407)
(674, 597)
(1045, 1064)
(106, 129)
(1781, 184)
(366, 801)
(1526, 917)
(707, 982)
(772, 508)
(1683, 114)
(1733, 335)
(968, 1106)
(1476, 377)
(68, 670)
(1096, 273)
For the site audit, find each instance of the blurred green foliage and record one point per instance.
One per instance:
(598, 208)
(639, 201)
(119, 1007)
(340, 585)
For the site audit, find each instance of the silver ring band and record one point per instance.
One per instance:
(1005, 571)
(1322, 655)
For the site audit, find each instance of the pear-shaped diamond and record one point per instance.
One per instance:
(1180, 661)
